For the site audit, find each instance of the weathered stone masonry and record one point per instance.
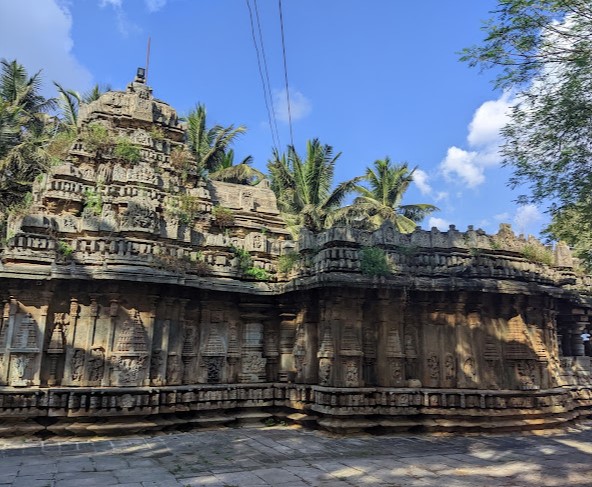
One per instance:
(132, 313)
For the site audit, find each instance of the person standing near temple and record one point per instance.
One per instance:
(586, 339)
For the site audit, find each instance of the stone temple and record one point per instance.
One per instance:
(125, 307)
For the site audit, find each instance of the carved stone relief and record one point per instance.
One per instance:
(20, 370)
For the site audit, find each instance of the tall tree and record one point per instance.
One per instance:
(303, 185)
(241, 173)
(26, 130)
(208, 145)
(381, 201)
(95, 92)
(69, 102)
(544, 51)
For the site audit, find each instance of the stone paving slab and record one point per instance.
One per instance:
(291, 457)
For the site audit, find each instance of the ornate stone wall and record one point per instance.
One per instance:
(125, 302)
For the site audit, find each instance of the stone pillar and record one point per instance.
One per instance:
(113, 313)
(234, 352)
(272, 352)
(287, 335)
(577, 345)
(75, 354)
(150, 326)
(4, 343)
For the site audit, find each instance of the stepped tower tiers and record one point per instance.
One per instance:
(136, 295)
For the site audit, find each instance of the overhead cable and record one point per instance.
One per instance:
(266, 90)
(266, 71)
(286, 74)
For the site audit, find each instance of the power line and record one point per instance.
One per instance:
(266, 72)
(286, 74)
(266, 91)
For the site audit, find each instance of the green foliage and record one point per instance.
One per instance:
(181, 160)
(241, 173)
(157, 133)
(95, 92)
(573, 225)
(523, 37)
(25, 132)
(537, 253)
(60, 145)
(287, 262)
(64, 249)
(69, 103)
(208, 145)
(407, 250)
(187, 208)
(93, 201)
(126, 150)
(21, 207)
(542, 52)
(246, 267)
(244, 259)
(381, 202)
(224, 217)
(374, 262)
(95, 137)
(303, 185)
(257, 273)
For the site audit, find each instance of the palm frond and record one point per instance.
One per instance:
(69, 102)
(238, 174)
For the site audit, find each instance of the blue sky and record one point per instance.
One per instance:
(371, 78)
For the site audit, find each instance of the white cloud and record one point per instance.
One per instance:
(488, 120)
(483, 139)
(155, 5)
(300, 106)
(502, 217)
(463, 164)
(37, 33)
(439, 223)
(441, 195)
(526, 216)
(420, 178)
(124, 26)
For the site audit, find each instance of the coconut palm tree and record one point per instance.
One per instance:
(69, 102)
(381, 201)
(303, 186)
(95, 93)
(208, 145)
(241, 173)
(26, 130)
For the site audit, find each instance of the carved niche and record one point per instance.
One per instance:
(96, 365)
(130, 357)
(253, 364)
(299, 351)
(139, 214)
(188, 353)
(433, 370)
(395, 359)
(20, 369)
(212, 356)
(350, 353)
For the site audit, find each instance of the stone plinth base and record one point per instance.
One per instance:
(99, 411)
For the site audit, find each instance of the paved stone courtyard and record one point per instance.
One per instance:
(290, 457)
